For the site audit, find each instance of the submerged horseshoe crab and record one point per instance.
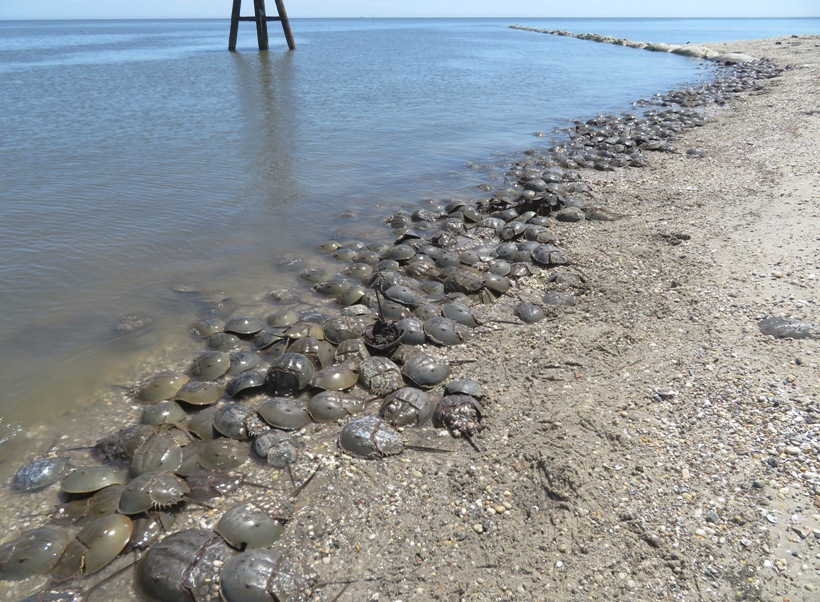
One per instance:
(33, 552)
(39, 474)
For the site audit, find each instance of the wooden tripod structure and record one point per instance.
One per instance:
(261, 19)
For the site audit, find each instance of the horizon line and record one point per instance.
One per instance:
(403, 17)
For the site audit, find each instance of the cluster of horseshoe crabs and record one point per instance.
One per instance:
(374, 367)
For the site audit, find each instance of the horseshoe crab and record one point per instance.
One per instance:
(161, 386)
(285, 413)
(459, 414)
(190, 458)
(124, 443)
(276, 448)
(244, 384)
(464, 280)
(549, 255)
(207, 484)
(239, 421)
(352, 295)
(336, 378)
(370, 437)
(568, 279)
(334, 288)
(406, 407)
(404, 295)
(248, 527)
(316, 275)
(351, 350)
(464, 386)
(289, 374)
(202, 424)
(199, 393)
(88, 479)
(264, 575)
(499, 267)
(434, 290)
(530, 312)
(380, 376)
(39, 474)
(184, 566)
(205, 328)
(412, 331)
(149, 529)
(210, 365)
(330, 406)
(102, 503)
(163, 412)
(496, 284)
(243, 325)
(512, 231)
(384, 335)
(159, 452)
(282, 318)
(151, 491)
(268, 338)
(223, 454)
(242, 361)
(400, 252)
(304, 329)
(443, 331)
(337, 330)
(318, 352)
(390, 311)
(460, 314)
(224, 341)
(33, 552)
(425, 370)
(94, 547)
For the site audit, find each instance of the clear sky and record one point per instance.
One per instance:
(126, 9)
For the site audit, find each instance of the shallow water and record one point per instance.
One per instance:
(142, 161)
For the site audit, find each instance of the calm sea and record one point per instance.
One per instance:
(140, 160)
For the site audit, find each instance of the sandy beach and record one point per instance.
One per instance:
(590, 484)
(647, 443)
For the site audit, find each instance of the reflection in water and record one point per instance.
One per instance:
(268, 113)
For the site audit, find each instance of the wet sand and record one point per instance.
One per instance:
(646, 443)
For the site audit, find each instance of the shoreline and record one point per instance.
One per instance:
(577, 443)
(617, 492)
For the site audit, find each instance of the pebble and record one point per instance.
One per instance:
(478, 528)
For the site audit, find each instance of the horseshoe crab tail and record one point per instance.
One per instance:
(471, 442)
(423, 448)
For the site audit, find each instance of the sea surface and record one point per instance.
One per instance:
(146, 171)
